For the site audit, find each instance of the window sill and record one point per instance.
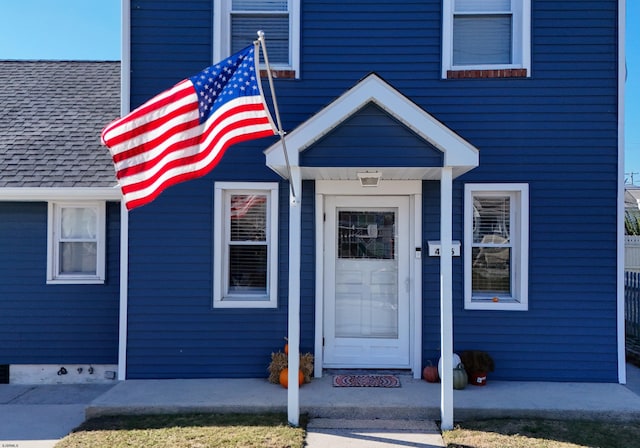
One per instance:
(487, 74)
(76, 281)
(230, 303)
(500, 305)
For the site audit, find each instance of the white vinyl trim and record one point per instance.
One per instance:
(60, 194)
(411, 188)
(319, 324)
(222, 34)
(220, 298)
(521, 46)
(54, 219)
(519, 301)
(622, 366)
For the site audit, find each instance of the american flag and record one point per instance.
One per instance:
(183, 132)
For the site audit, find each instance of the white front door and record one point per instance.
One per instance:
(366, 282)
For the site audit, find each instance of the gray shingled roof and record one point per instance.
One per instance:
(51, 116)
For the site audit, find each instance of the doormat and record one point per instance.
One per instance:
(366, 381)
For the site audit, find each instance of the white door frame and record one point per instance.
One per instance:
(412, 189)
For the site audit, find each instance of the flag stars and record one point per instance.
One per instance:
(233, 78)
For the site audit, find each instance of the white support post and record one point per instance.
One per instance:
(446, 298)
(295, 224)
(125, 108)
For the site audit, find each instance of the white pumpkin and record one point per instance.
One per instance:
(456, 361)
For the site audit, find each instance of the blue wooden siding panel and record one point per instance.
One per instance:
(174, 331)
(170, 41)
(556, 131)
(52, 324)
(371, 137)
(307, 268)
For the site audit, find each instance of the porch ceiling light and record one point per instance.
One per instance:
(369, 179)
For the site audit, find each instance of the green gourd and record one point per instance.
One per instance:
(459, 377)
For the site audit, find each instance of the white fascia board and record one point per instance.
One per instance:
(49, 194)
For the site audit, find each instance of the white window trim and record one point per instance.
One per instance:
(521, 40)
(520, 232)
(53, 231)
(222, 34)
(220, 299)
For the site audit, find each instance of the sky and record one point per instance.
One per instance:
(90, 30)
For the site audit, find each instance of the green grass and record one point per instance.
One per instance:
(186, 430)
(533, 433)
(273, 431)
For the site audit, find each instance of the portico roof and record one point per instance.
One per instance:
(458, 154)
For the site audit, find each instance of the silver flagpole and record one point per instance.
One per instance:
(275, 107)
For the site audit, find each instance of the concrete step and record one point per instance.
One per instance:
(396, 425)
(372, 433)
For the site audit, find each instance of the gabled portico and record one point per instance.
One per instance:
(437, 154)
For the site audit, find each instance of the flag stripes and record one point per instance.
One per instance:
(178, 136)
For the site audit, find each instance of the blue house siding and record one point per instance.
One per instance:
(170, 41)
(52, 324)
(174, 331)
(371, 134)
(555, 131)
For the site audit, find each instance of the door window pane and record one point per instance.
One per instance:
(366, 235)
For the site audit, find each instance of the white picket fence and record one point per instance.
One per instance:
(632, 253)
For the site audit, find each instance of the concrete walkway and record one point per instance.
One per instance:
(37, 416)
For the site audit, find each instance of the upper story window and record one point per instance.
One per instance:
(237, 22)
(496, 246)
(245, 245)
(486, 38)
(76, 249)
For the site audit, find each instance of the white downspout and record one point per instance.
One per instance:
(446, 298)
(125, 106)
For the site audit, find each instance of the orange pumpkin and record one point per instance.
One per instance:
(430, 373)
(286, 349)
(284, 378)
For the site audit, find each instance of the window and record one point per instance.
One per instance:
(76, 248)
(237, 21)
(245, 245)
(486, 35)
(496, 225)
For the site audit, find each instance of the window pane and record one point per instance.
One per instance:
(484, 39)
(275, 27)
(491, 270)
(79, 223)
(248, 217)
(248, 269)
(78, 258)
(482, 5)
(366, 235)
(492, 220)
(259, 5)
